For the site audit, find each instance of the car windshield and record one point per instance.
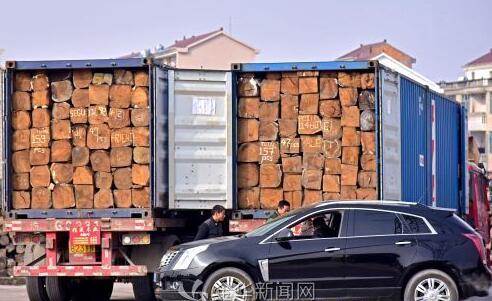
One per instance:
(263, 229)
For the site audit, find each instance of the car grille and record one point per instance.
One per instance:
(168, 258)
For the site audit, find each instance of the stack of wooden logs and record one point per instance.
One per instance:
(305, 137)
(10, 254)
(80, 139)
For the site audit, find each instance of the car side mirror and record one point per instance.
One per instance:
(284, 235)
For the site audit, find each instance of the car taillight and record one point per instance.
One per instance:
(477, 242)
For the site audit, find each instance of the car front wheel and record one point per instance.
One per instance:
(229, 284)
(429, 285)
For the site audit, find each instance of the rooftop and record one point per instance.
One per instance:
(484, 59)
(369, 51)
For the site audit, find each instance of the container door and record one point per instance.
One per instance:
(465, 190)
(389, 111)
(2, 136)
(200, 139)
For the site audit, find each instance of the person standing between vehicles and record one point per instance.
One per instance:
(282, 208)
(212, 227)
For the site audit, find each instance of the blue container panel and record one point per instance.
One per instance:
(448, 143)
(415, 173)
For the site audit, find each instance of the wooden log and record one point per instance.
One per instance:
(21, 199)
(103, 199)
(61, 151)
(269, 152)
(21, 101)
(82, 78)
(348, 96)
(103, 179)
(332, 148)
(141, 78)
(21, 140)
(40, 176)
(61, 91)
(121, 156)
(367, 194)
(140, 136)
(273, 75)
(367, 179)
(122, 178)
(79, 135)
(99, 94)
(61, 173)
(40, 82)
(121, 137)
(140, 174)
(331, 183)
(41, 198)
(287, 127)
(348, 192)
(98, 136)
(80, 98)
(80, 156)
(20, 181)
(350, 155)
(78, 115)
(83, 175)
(97, 114)
(249, 198)
(366, 100)
(141, 198)
(247, 152)
(368, 162)
(290, 145)
(122, 198)
(40, 118)
(349, 80)
(331, 196)
(349, 175)
(268, 111)
(292, 164)
(249, 107)
(21, 120)
(4, 240)
(367, 81)
(102, 79)
(350, 137)
(270, 175)
(328, 88)
(22, 81)
(292, 182)
(350, 116)
(311, 143)
(20, 161)
(140, 117)
(311, 197)
(141, 155)
(308, 73)
(294, 198)
(100, 161)
(140, 97)
(247, 175)
(118, 118)
(367, 121)
(61, 129)
(308, 124)
(368, 141)
(120, 96)
(309, 104)
(84, 196)
(333, 166)
(311, 179)
(269, 197)
(289, 85)
(40, 99)
(248, 87)
(268, 131)
(39, 156)
(313, 161)
(63, 196)
(289, 106)
(270, 90)
(331, 128)
(308, 85)
(123, 77)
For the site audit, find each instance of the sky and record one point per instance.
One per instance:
(442, 35)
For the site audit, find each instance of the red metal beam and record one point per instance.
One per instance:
(63, 225)
(72, 271)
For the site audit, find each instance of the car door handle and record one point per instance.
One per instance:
(403, 243)
(332, 249)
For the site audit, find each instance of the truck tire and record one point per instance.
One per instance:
(58, 288)
(143, 288)
(36, 289)
(93, 289)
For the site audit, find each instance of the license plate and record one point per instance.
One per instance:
(82, 249)
(85, 232)
(82, 254)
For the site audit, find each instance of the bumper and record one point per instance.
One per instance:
(179, 285)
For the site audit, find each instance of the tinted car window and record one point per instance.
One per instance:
(369, 222)
(416, 225)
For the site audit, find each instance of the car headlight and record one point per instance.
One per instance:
(186, 258)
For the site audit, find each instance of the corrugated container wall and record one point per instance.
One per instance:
(2, 100)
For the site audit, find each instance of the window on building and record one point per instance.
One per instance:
(490, 74)
(490, 103)
(465, 102)
(490, 143)
(473, 75)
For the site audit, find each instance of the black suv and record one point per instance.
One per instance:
(335, 250)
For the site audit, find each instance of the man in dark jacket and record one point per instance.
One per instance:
(212, 227)
(282, 208)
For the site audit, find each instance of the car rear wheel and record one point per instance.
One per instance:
(229, 284)
(431, 285)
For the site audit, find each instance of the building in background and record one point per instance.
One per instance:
(474, 89)
(213, 50)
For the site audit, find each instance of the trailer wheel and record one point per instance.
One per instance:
(36, 289)
(58, 288)
(93, 289)
(143, 288)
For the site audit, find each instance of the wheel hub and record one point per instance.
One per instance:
(432, 289)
